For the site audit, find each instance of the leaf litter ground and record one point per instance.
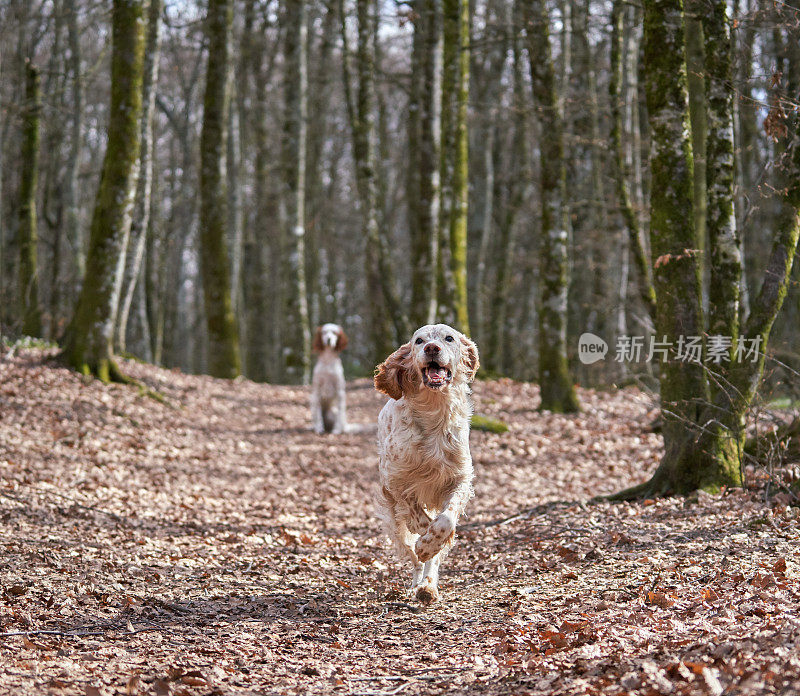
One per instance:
(215, 545)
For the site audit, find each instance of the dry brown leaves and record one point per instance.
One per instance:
(218, 546)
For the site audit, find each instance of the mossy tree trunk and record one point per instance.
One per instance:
(673, 239)
(557, 387)
(89, 338)
(694, 11)
(297, 332)
(704, 416)
(724, 258)
(427, 94)
(456, 28)
(140, 223)
(223, 338)
(621, 170)
(27, 235)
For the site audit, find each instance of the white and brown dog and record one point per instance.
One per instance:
(327, 382)
(425, 464)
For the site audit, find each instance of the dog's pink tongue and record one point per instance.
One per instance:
(436, 371)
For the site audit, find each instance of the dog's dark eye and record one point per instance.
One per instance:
(419, 340)
(448, 338)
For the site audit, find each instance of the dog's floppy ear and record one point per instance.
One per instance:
(392, 374)
(469, 358)
(341, 341)
(317, 345)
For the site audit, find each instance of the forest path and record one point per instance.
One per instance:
(219, 546)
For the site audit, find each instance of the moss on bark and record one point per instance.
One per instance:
(703, 428)
(621, 174)
(88, 341)
(723, 237)
(457, 32)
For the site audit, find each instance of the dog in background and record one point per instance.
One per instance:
(327, 382)
(425, 466)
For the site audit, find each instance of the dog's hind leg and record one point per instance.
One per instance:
(395, 516)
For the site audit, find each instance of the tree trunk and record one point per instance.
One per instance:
(296, 340)
(596, 226)
(256, 309)
(141, 211)
(723, 238)
(223, 339)
(74, 231)
(487, 227)
(745, 135)
(2, 222)
(698, 119)
(456, 26)
(27, 236)
(703, 437)
(424, 239)
(557, 388)
(673, 235)
(90, 337)
(398, 313)
(516, 187)
(621, 170)
(361, 112)
(323, 78)
(234, 164)
(52, 200)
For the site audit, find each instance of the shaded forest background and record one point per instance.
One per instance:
(379, 195)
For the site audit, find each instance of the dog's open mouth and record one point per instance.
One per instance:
(435, 376)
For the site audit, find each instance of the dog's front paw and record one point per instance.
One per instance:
(427, 592)
(438, 534)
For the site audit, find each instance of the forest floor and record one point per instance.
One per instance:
(213, 544)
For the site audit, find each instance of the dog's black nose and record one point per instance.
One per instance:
(431, 349)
